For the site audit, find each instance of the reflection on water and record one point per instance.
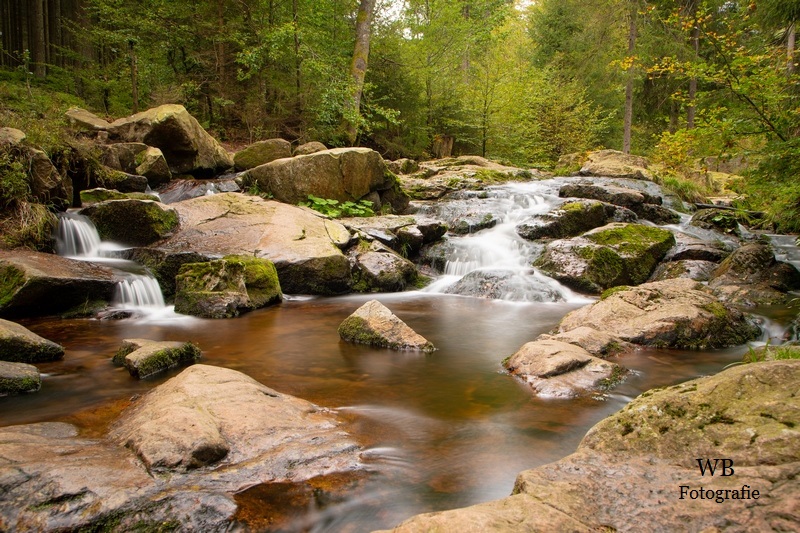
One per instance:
(439, 431)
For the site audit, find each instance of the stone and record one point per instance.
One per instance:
(227, 287)
(309, 148)
(11, 136)
(622, 196)
(85, 120)
(502, 284)
(691, 248)
(379, 269)
(615, 254)
(18, 378)
(47, 184)
(97, 195)
(403, 166)
(152, 164)
(186, 146)
(615, 164)
(262, 152)
(28, 281)
(132, 222)
(374, 324)
(558, 369)
(343, 174)
(144, 358)
(598, 343)
(752, 276)
(675, 313)
(404, 234)
(569, 220)
(721, 220)
(656, 214)
(685, 268)
(108, 178)
(121, 156)
(473, 223)
(179, 190)
(20, 345)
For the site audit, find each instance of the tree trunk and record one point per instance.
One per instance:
(691, 110)
(296, 51)
(358, 68)
(39, 51)
(628, 118)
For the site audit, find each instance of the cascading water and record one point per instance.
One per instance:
(77, 237)
(140, 292)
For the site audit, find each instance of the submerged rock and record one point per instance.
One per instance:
(144, 358)
(21, 345)
(132, 222)
(752, 276)
(675, 313)
(226, 287)
(373, 323)
(18, 378)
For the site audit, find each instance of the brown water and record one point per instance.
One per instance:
(439, 431)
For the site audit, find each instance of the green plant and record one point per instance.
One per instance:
(13, 178)
(335, 209)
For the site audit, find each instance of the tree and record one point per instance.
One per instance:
(358, 67)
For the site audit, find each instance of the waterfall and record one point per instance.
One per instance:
(139, 292)
(77, 237)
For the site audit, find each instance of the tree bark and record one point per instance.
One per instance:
(691, 109)
(628, 117)
(39, 51)
(358, 67)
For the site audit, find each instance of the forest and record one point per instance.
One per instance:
(695, 86)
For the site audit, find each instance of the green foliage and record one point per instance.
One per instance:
(14, 185)
(335, 209)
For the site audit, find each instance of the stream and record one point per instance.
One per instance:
(439, 431)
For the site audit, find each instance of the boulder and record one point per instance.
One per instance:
(377, 268)
(675, 313)
(11, 137)
(97, 195)
(615, 164)
(47, 184)
(473, 223)
(404, 234)
(132, 222)
(752, 276)
(612, 194)
(309, 148)
(343, 174)
(185, 189)
(615, 254)
(558, 369)
(628, 473)
(436, 178)
(598, 343)
(186, 146)
(85, 120)
(108, 178)
(304, 245)
(569, 220)
(684, 268)
(502, 284)
(403, 166)
(152, 164)
(20, 345)
(226, 287)
(656, 214)
(374, 324)
(261, 153)
(18, 378)
(144, 358)
(28, 281)
(721, 220)
(691, 248)
(121, 156)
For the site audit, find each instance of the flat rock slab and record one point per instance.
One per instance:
(144, 358)
(18, 378)
(374, 324)
(19, 344)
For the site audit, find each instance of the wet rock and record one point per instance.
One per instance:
(627, 472)
(597, 343)
(752, 276)
(557, 369)
(612, 194)
(152, 164)
(569, 220)
(694, 249)
(615, 164)
(721, 220)
(186, 146)
(403, 166)
(404, 234)
(19, 344)
(109, 178)
(132, 222)
(374, 324)
(304, 246)
(28, 281)
(656, 214)
(502, 284)
(377, 268)
(435, 255)
(343, 174)
(262, 152)
(144, 358)
(86, 120)
(97, 195)
(309, 148)
(615, 254)
(183, 189)
(18, 378)
(676, 313)
(227, 287)
(473, 222)
(685, 268)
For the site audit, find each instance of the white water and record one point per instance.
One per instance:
(77, 237)
(139, 292)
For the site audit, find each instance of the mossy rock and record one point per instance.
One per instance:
(132, 222)
(569, 220)
(721, 220)
(374, 324)
(20, 345)
(143, 358)
(262, 152)
(98, 194)
(18, 378)
(108, 178)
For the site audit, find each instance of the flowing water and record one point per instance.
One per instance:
(439, 431)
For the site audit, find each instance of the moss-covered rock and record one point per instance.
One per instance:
(261, 153)
(19, 344)
(569, 220)
(374, 324)
(616, 254)
(226, 287)
(108, 178)
(97, 195)
(143, 358)
(752, 276)
(18, 378)
(132, 222)
(377, 268)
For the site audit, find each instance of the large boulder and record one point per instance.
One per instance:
(675, 313)
(612, 194)
(638, 470)
(152, 164)
(29, 280)
(615, 254)
(554, 368)
(404, 234)
(226, 287)
(185, 189)
(374, 324)
(186, 146)
(261, 153)
(18, 378)
(305, 246)
(377, 268)
(85, 120)
(19, 344)
(615, 164)
(132, 222)
(343, 174)
(144, 358)
(569, 220)
(752, 276)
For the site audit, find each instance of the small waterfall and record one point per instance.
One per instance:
(139, 292)
(77, 237)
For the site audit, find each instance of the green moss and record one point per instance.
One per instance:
(166, 358)
(633, 239)
(421, 281)
(613, 290)
(716, 309)
(356, 329)
(12, 387)
(11, 280)
(617, 376)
